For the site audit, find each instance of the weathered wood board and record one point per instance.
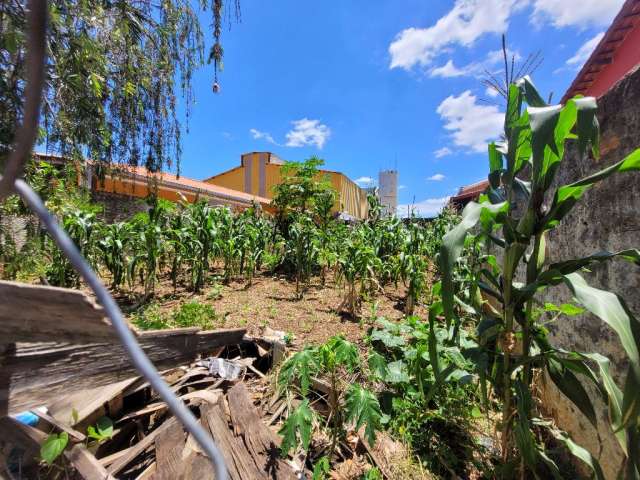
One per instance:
(38, 313)
(33, 374)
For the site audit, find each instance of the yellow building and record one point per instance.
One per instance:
(259, 172)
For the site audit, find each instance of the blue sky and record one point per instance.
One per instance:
(371, 84)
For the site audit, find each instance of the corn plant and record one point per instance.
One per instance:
(80, 224)
(349, 403)
(515, 219)
(358, 263)
(301, 250)
(113, 246)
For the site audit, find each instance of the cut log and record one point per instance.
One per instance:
(35, 374)
(262, 443)
(37, 313)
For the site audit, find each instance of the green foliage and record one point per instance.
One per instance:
(321, 469)
(348, 402)
(362, 408)
(113, 75)
(190, 314)
(53, 447)
(296, 430)
(512, 217)
(103, 429)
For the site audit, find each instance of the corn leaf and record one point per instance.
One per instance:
(571, 387)
(611, 309)
(568, 195)
(579, 452)
(453, 243)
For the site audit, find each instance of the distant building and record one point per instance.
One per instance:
(388, 191)
(468, 193)
(259, 172)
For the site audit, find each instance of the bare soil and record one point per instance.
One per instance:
(271, 301)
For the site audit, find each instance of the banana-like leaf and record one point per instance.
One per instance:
(568, 195)
(611, 309)
(453, 243)
(571, 387)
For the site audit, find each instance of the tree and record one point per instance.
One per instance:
(303, 190)
(112, 72)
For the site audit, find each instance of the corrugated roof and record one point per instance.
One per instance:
(604, 53)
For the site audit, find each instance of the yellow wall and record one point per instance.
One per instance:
(351, 199)
(233, 179)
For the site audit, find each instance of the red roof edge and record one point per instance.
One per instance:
(613, 37)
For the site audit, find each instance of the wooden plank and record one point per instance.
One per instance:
(169, 446)
(74, 435)
(33, 313)
(37, 373)
(262, 443)
(89, 405)
(86, 464)
(141, 446)
(240, 464)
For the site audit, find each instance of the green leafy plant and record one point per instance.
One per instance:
(515, 220)
(103, 430)
(53, 447)
(349, 402)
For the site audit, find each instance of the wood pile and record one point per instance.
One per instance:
(147, 441)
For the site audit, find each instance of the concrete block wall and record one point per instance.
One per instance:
(118, 207)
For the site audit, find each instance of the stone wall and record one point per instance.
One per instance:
(608, 218)
(118, 207)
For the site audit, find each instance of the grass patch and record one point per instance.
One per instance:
(190, 314)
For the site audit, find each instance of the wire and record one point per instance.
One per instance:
(136, 354)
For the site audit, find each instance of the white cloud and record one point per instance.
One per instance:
(448, 70)
(258, 135)
(583, 53)
(442, 152)
(579, 13)
(430, 207)
(472, 125)
(477, 69)
(401, 187)
(438, 177)
(462, 25)
(365, 181)
(492, 92)
(307, 132)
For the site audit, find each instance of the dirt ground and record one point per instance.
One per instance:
(271, 302)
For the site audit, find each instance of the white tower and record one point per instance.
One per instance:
(388, 191)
